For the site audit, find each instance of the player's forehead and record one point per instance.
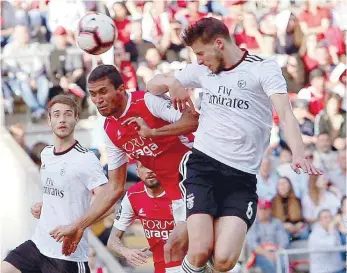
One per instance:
(61, 107)
(199, 47)
(99, 84)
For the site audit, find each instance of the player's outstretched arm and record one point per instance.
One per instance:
(175, 83)
(135, 257)
(188, 123)
(160, 83)
(292, 133)
(110, 194)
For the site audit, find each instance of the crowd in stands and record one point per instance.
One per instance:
(307, 38)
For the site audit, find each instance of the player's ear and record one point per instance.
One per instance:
(219, 43)
(49, 119)
(77, 118)
(121, 88)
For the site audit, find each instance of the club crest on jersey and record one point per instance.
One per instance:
(190, 201)
(141, 212)
(63, 170)
(241, 84)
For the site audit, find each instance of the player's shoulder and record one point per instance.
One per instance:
(83, 152)
(260, 64)
(136, 190)
(48, 150)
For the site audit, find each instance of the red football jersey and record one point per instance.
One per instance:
(155, 215)
(162, 155)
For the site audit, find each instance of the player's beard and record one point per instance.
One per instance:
(153, 184)
(220, 61)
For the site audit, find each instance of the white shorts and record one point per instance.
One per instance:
(179, 210)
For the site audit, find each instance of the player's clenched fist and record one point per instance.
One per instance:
(36, 210)
(135, 257)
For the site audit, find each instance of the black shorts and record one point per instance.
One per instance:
(28, 259)
(213, 188)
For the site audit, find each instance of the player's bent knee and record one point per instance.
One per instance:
(8, 268)
(200, 255)
(224, 264)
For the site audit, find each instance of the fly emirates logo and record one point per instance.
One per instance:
(157, 228)
(141, 146)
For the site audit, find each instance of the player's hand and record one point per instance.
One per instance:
(36, 210)
(69, 235)
(140, 125)
(135, 257)
(180, 97)
(305, 165)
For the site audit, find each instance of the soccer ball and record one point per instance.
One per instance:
(95, 33)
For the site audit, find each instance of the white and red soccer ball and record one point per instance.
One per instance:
(95, 33)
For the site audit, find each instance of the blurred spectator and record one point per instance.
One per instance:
(155, 21)
(300, 110)
(299, 182)
(66, 14)
(294, 73)
(137, 47)
(265, 237)
(308, 52)
(232, 12)
(331, 120)
(35, 153)
(123, 24)
(190, 14)
(27, 71)
(17, 131)
(122, 61)
(314, 19)
(153, 65)
(289, 35)
(66, 71)
(171, 45)
(287, 207)
(325, 235)
(324, 157)
(266, 180)
(338, 177)
(322, 195)
(341, 220)
(324, 59)
(315, 93)
(8, 21)
(250, 37)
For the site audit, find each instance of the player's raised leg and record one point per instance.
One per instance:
(230, 233)
(8, 268)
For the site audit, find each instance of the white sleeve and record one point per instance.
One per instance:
(271, 78)
(189, 76)
(125, 215)
(115, 156)
(93, 175)
(161, 107)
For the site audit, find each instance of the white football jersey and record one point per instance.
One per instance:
(67, 179)
(236, 111)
